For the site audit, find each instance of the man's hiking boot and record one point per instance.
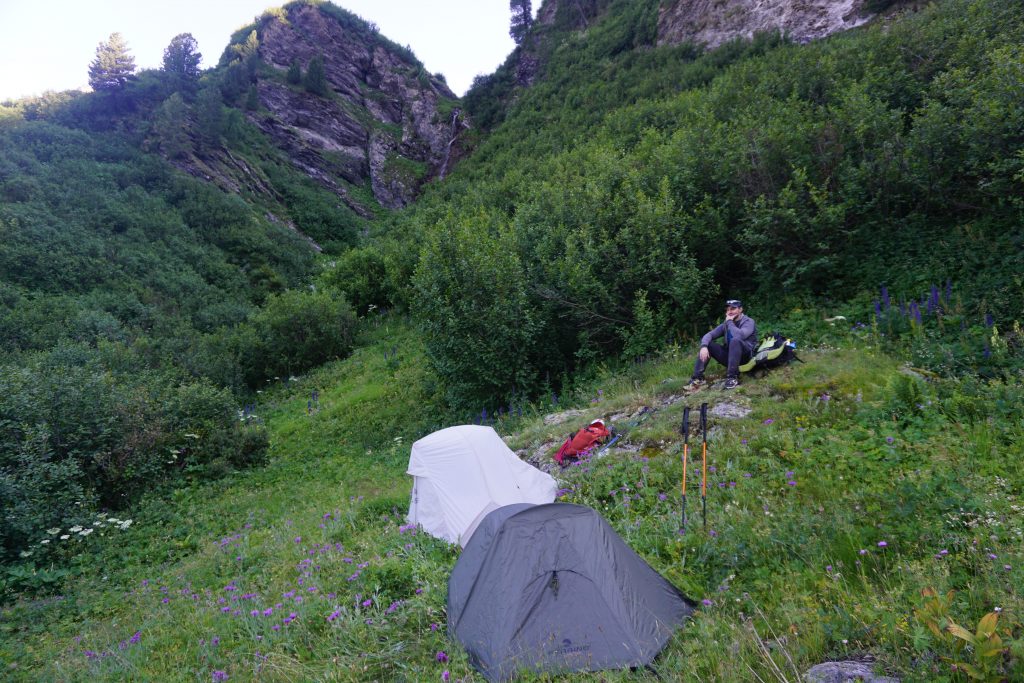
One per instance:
(730, 383)
(695, 384)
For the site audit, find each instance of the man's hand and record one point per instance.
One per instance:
(704, 355)
(732, 315)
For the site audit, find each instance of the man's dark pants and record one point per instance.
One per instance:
(732, 359)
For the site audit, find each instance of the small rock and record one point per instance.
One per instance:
(845, 672)
(559, 418)
(674, 398)
(729, 411)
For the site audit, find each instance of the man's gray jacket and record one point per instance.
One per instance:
(742, 328)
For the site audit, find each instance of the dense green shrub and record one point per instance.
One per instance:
(75, 436)
(298, 330)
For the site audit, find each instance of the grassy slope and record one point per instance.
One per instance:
(782, 562)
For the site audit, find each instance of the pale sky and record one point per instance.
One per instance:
(48, 44)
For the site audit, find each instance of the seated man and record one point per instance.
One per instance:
(740, 334)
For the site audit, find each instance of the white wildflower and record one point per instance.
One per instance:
(75, 529)
(53, 532)
(44, 541)
(65, 537)
(85, 532)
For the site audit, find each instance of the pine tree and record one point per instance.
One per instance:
(181, 61)
(522, 19)
(294, 73)
(252, 99)
(170, 127)
(113, 66)
(316, 76)
(209, 111)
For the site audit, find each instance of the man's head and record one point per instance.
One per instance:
(733, 308)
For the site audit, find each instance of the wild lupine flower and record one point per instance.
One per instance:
(885, 297)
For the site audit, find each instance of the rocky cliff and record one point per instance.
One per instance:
(384, 122)
(713, 22)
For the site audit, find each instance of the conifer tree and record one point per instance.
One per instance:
(294, 73)
(522, 19)
(170, 126)
(209, 111)
(316, 76)
(113, 66)
(252, 99)
(181, 61)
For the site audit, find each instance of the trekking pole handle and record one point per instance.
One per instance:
(704, 420)
(684, 428)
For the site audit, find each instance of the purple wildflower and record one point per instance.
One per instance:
(445, 675)
(769, 421)
(882, 544)
(706, 602)
(135, 638)
(219, 676)
(862, 551)
(366, 603)
(433, 627)
(442, 656)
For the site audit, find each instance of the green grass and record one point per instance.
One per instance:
(830, 464)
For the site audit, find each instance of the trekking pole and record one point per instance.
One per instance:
(704, 458)
(685, 428)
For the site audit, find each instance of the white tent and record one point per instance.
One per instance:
(462, 473)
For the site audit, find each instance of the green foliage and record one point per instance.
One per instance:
(181, 62)
(315, 79)
(209, 113)
(360, 275)
(294, 75)
(113, 66)
(170, 127)
(298, 330)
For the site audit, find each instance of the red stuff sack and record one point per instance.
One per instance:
(584, 440)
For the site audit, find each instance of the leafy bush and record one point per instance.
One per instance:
(75, 437)
(298, 330)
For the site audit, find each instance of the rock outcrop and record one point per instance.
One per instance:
(385, 122)
(713, 22)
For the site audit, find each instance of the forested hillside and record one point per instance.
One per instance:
(632, 187)
(182, 255)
